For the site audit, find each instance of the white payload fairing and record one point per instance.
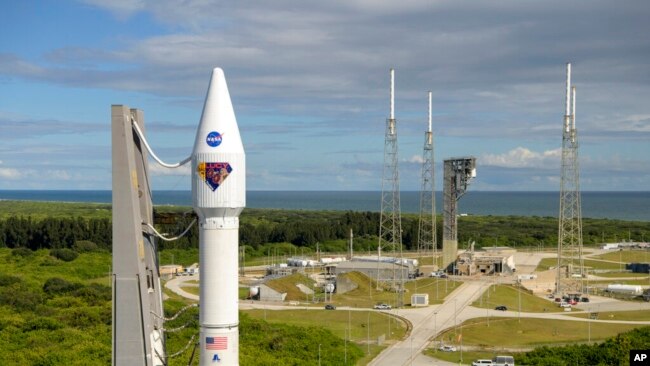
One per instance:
(218, 196)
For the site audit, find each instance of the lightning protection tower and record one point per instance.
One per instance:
(570, 265)
(457, 174)
(427, 221)
(390, 226)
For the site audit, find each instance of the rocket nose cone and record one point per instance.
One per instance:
(218, 125)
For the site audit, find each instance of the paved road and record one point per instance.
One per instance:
(427, 322)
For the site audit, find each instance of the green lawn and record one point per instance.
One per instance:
(637, 315)
(509, 296)
(626, 256)
(341, 322)
(531, 332)
(547, 263)
(366, 295)
(622, 274)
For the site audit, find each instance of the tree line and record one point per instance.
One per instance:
(306, 229)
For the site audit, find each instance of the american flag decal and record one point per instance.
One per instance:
(216, 343)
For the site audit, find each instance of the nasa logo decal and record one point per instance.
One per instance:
(213, 174)
(214, 139)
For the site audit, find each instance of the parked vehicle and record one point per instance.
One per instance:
(330, 307)
(584, 299)
(501, 308)
(447, 348)
(482, 363)
(565, 304)
(503, 361)
(382, 307)
(573, 302)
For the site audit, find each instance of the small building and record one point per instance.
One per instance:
(420, 300)
(493, 260)
(266, 293)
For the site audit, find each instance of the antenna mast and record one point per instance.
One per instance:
(390, 225)
(427, 221)
(570, 265)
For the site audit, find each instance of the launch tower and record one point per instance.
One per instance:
(570, 266)
(457, 174)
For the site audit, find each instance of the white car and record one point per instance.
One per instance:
(447, 348)
(482, 363)
(382, 307)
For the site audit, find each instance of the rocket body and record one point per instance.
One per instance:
(218, 196)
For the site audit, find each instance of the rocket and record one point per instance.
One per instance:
(218, 197)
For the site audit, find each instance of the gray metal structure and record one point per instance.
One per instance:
(570, 264)
(137, 326)
(427, 221)
(457, 174)
(390, 224)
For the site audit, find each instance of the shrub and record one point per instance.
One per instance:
(84, 246)
(64, 254)
(57, 285)
(7, 280)
(21, 252)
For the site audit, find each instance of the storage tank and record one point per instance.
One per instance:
(253, 291)
(329, 288)
(625, 289)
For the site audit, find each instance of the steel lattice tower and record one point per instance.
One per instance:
(570, 265)
(427, 222)
(390, 225)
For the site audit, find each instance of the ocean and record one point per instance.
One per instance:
(612, 205)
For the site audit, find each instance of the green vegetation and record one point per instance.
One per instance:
(634, 315)
(266, 232)
(288, 285)
(626, 256)
(358, 325)
(548, 263)
(531, 332)
(614, 351)
(339, 322)
(509, 296)
(468, 356)
(54, 312)
(368, 293)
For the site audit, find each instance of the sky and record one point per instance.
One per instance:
(309, 82)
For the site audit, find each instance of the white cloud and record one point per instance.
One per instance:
(522, 157)
(418, 159)
(10, 173)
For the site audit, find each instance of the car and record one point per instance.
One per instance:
(447, 348)
(330, 307)
(482, 363)
(584, 299)
(565, 304)
(573, 302)
(501, 308)
(382, 307)
(557, 299)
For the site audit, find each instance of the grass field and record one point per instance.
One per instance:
(548, 263)
(637, 315)
(621, 274)
(366, 295)
(356, 326)
(531, 332)
(509, 296)
(626, 256)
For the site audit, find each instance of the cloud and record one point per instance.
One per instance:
(9, 173)
(522, 157)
